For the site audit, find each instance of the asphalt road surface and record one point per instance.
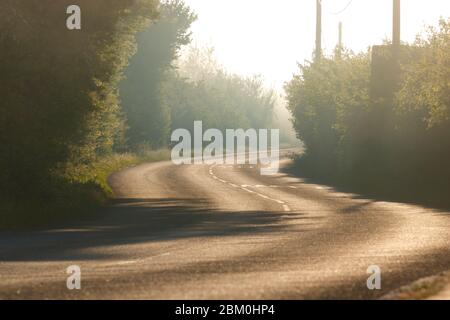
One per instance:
(226, 232)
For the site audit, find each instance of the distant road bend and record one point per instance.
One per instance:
(226, 232)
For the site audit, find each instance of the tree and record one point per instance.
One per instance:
(148, 118)
(376, 140)
(426, 86)
(59, 87)
(201, 89)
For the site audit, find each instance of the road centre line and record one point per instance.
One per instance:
(286, 208)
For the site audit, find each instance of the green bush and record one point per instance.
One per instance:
(353, 134)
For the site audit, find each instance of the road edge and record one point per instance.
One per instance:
(435, 287)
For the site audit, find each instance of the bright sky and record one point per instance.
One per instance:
(269, 37)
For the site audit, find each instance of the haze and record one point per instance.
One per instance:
(281, 33)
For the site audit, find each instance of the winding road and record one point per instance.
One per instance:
(226, 232)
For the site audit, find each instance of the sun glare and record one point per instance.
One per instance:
(269, 37)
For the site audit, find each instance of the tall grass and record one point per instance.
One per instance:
(76, 194)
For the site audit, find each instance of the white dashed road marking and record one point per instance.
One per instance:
(244, 187)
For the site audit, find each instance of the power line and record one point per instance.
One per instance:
(340, 11)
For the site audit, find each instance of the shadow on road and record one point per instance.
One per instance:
(131, 221)
(429, 194)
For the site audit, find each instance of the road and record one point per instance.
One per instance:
(226, 232)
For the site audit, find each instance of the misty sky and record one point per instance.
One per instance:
(269, 37)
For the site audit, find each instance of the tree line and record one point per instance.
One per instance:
(375, 140)
(71, 98)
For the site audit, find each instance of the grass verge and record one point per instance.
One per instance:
(72, 196)
(422, 289)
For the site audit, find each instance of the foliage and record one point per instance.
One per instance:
(427, 82)
(148, 118)
(75, 103)
(328, 100)
(202, 90)
(353, 134)
(60, 106)
(74, 196)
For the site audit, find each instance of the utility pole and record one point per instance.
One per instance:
(386, 59)
(340, 44)
(396, 38)
(319, 30)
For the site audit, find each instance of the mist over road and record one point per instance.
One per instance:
(226, 232)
